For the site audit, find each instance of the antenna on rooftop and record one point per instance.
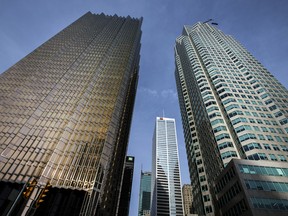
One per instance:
(209, 20)
(163, 114)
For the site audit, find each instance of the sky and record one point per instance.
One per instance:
(260, 25)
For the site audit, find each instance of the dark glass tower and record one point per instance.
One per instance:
(127, 180)
(65, 113)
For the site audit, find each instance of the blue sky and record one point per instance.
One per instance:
(260, 25)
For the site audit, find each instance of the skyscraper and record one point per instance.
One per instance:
(144, 194)
(166, 195)
(66, 110)
(231, 107)
(125, 195)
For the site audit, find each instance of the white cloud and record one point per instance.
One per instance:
(148, 91)
(164, 94)
(169, 93)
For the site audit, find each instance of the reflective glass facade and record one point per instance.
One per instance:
(144, 194)
(66, 109)
(166, 195)
(231, 107)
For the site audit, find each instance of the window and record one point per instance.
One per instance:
(258, 156)
(228, 154)
(272, 108)
(238, 120)
(264, 129)
(202, 178)
(280, 130)
(278, 139)
(251, 146)
(269, 137)
(247, 136)
(282, 158)
(219, 128)
(267, 146)
(242, 128)
(206, 198)
(256, 128)
(284, 148)
(272, 157)
(261, 137)
(217, 121)
(259, 121)
(267, 122)
(225, 145)
(275, 147)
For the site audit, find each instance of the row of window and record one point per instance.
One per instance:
(263, 156)
(263, 170)
(266, 203)
(266, 185)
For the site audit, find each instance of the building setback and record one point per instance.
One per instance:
(231, 107)
(144, 194)
(166, 195)
(65, 116)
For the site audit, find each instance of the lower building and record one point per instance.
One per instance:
(187, 199)
(257, 188)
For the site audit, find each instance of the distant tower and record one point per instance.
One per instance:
(127, 180)
(65, 116)
(166, 196)
(231, 107)
(187, 199)
(144, 194)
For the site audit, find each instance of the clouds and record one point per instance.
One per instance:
(164, 94)
(149, 92)
(169, 93)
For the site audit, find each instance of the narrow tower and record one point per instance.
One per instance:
(166, 196)
(144, 194)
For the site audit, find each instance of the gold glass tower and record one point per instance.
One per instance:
(65, 112)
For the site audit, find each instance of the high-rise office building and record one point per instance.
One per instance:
(231, 107)
(125, 195)
(187, 199)
(166, 195)
(65, 116)
(144, 194)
